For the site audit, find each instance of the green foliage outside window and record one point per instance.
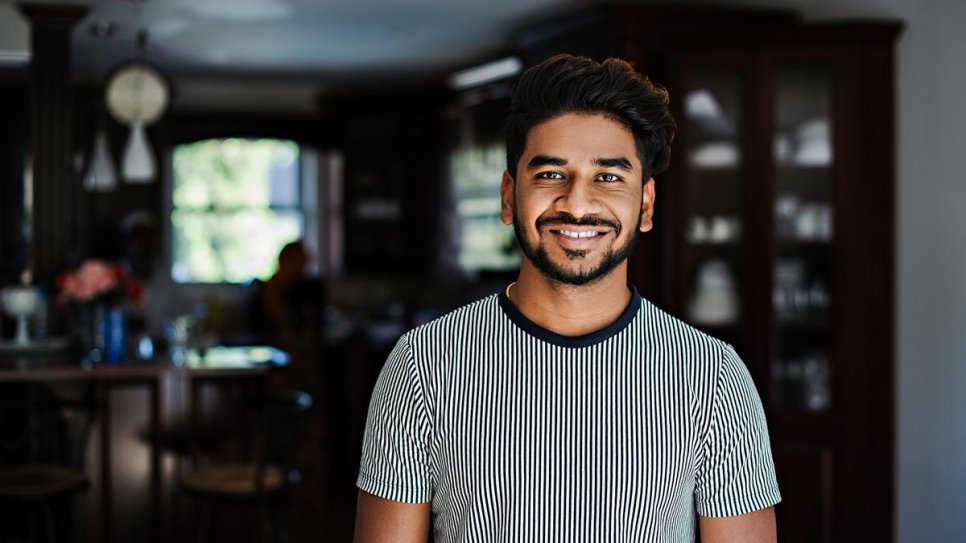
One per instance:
(235, 204)
(485, 243)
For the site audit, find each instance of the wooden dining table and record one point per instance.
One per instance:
(214, 365)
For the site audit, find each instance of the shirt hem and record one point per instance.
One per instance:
(392, 492)
(747, 505)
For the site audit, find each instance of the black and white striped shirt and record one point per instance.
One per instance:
(516, 433)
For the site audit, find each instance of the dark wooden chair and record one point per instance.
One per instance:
(41, 461)
(265, 477)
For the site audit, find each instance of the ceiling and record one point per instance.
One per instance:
(280, 55)
(283, 53)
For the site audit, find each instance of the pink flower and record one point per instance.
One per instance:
(93, 279)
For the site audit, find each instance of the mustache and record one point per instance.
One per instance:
(566, 219)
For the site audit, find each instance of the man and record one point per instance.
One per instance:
(567, 408)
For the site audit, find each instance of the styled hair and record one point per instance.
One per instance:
(572, 84)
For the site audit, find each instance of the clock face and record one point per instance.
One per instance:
(137, 92)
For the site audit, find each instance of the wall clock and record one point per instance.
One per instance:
(137, 92)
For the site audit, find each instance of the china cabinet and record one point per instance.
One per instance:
(392, 154)
(776, 230)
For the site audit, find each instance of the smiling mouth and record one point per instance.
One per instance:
(574, 234)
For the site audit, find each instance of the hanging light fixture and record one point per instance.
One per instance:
(137, 94)
(138, 166)
(100, 175)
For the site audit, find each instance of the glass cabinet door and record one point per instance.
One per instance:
(803, 157)
(711, 200)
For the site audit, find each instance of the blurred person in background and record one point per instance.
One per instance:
(286, 312)
(290, 302)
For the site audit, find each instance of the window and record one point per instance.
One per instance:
(485, 243)
(235, 203)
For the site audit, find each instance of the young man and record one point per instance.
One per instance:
(568, 408)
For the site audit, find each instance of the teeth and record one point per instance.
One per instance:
(571, 234)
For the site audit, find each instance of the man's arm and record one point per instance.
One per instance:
(379, 520)
(756, 527)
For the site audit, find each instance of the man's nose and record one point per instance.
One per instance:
(579, 199)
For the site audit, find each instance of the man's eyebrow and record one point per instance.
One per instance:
(544, 160)
(619, 162)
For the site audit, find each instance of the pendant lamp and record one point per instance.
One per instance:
(139, 165)
(100, 175)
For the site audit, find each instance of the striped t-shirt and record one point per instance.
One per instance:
(515, 433)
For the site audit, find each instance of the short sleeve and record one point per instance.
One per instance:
(395, 450)
(736, 474)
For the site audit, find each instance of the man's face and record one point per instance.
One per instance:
(578, 203)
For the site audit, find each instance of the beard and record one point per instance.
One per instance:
(538, 255)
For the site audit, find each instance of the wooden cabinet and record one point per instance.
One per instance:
(391, 189)
(783, 241)
(776, 232)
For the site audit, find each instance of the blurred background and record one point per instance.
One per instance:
(318, 177)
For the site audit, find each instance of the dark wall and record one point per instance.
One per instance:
(13, 146)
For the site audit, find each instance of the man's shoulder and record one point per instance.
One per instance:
(667, 328)
(462, 319)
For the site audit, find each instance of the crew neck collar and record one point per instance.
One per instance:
(585, 340)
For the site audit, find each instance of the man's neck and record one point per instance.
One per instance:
(571, 310)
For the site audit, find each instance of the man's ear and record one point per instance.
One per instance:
(506, 199)
(647, 206)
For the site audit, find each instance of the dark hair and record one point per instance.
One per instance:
(571, 84)
(291, 250)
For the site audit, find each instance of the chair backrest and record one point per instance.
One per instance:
(279, 432)
(38, 425)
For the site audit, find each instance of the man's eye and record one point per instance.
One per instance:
(609, 177)
(550, 175)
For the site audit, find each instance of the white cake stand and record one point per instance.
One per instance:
(20, 302)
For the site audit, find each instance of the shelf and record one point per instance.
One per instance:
(816, 254)
(810, 326)
(728, 245)
(794, 169)
(808, 185)
(805, 244)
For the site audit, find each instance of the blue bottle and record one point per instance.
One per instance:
(115, 336)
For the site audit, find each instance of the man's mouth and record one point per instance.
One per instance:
(568, 225)
(576, 234)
